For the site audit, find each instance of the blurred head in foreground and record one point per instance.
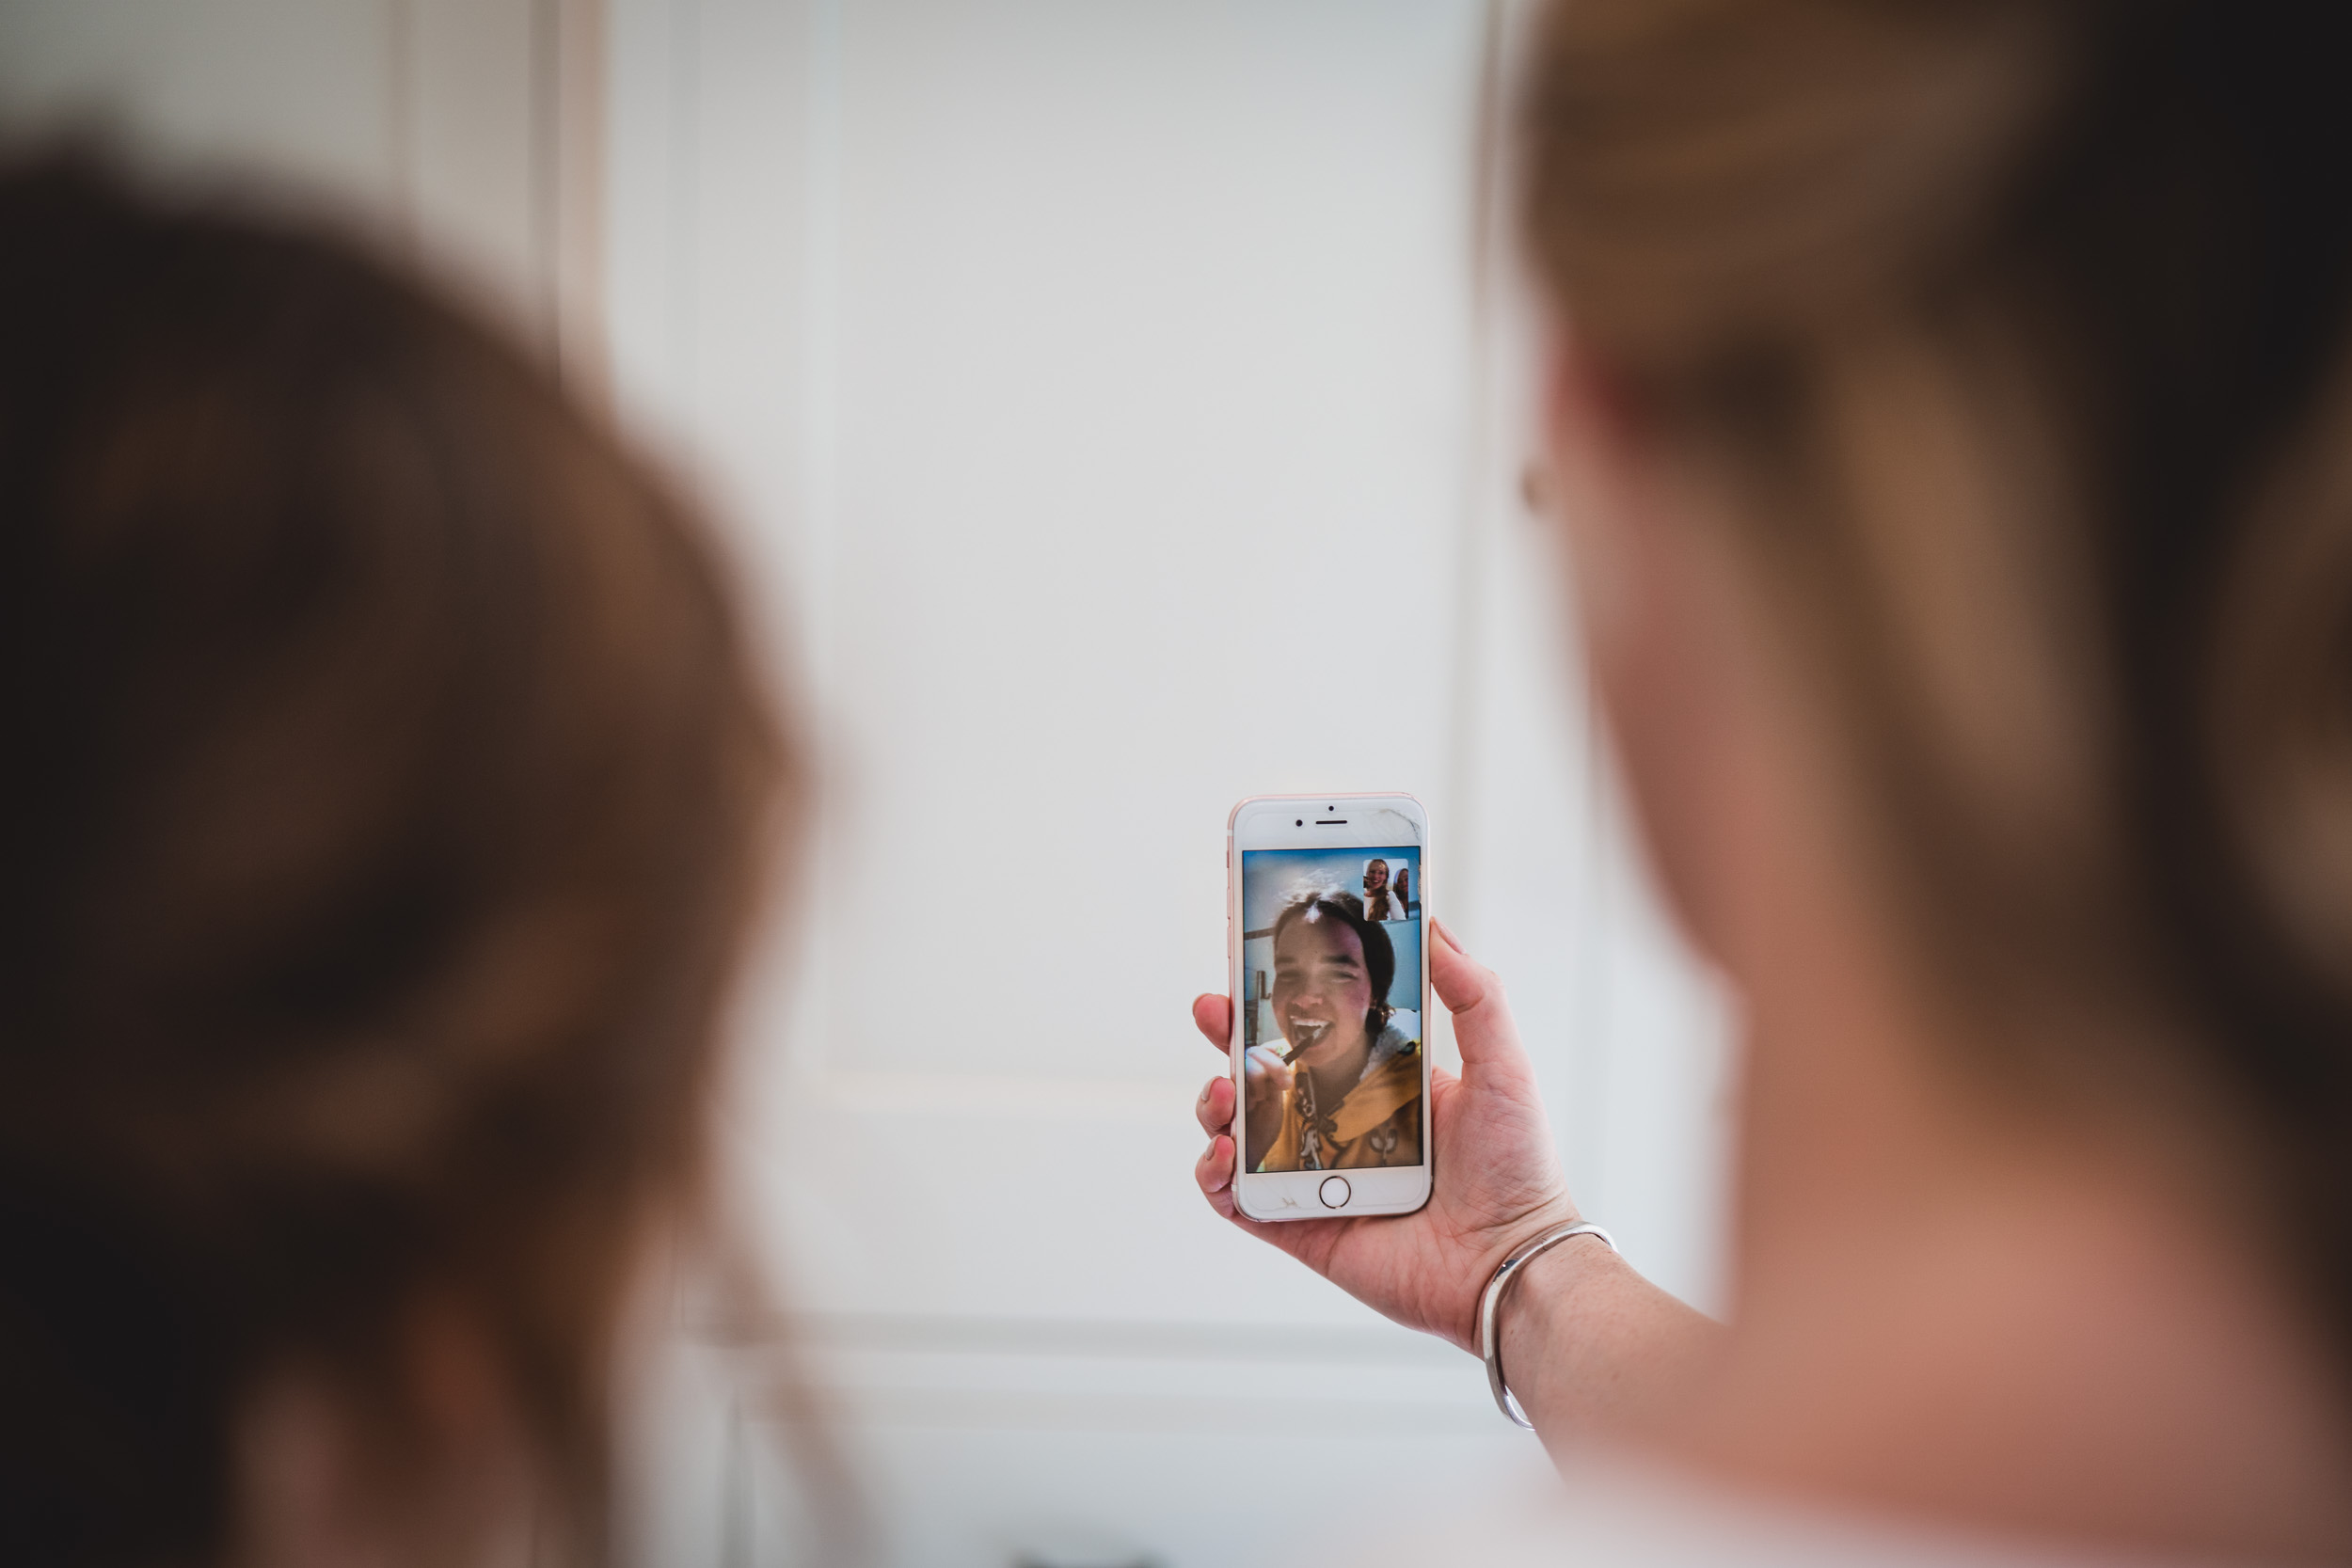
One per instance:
(1952, 413)
(385, 793)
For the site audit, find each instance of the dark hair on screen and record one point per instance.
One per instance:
(2027, 326)
(385, 789)
(1331, 903)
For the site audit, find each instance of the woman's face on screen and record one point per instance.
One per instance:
(1321, 988)
(1376, 876)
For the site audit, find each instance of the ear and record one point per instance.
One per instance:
(1590, 480)
(1659, 624)
(453, 1478)
(458, 1385)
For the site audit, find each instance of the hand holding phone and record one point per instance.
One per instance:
(1501, 1180)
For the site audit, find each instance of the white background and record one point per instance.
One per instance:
(1115, 408)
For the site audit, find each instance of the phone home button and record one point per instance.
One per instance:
(1333, 1192)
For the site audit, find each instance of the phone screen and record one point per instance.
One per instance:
(1330, 1008)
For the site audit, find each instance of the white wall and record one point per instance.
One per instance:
(1071, 375)
(1077, 374)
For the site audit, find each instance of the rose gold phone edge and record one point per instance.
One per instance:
(1280, 1196)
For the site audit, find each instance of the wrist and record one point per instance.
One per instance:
(1516, 1313)
(1500, 1242)
(1504, 1241)
(1551, 1282)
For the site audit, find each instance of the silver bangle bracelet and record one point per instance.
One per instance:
(1491, 1303)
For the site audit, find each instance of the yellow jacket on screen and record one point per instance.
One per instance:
(1375, 1123)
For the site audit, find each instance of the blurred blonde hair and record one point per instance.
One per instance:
(2019, 328)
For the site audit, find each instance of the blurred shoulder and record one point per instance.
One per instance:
(1614, 1515)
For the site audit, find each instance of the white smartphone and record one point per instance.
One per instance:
(1330, 985)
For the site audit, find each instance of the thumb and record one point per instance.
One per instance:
(1462, 985)
(1483, 1026)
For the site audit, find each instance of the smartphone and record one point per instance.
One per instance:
(1330, 986)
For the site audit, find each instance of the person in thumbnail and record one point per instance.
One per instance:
(1342, 1089)
(1380, 904)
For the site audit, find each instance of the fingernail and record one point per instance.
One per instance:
(1450, 940)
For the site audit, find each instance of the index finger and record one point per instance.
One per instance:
(1214, 1017)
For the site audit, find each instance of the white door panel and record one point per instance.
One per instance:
(1100, 394)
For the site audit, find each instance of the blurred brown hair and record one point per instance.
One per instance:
(385, 790)
(2020, 326)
